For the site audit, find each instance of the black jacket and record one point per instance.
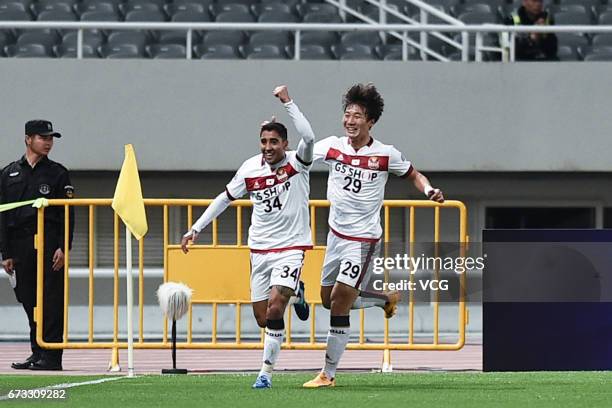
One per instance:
(542, 49)
(20, 182)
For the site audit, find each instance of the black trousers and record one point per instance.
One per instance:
(53, 294)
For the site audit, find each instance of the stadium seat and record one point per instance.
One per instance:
(478, 17)
(605, 18)
(70, 51)
(231, 38)
(276, 17)
(234, 17)
(56, 15)
(567, 53)
(262, 52)
(374, 14)
(291, 3)
(216, 51)
(369, 38)
(461, 8)
(46, 39)
(5, 39)
(305, 8)
(14, 15)
(281, 39)
(27, 51)
(120, 51)
(393, 52)
(91, 39)
(195, 8)
(572, 39)
(166, 51)
(145, 15)
(354, 52)
(14, 5)
(572, 18)
(602, 39)
(205, 3)
(598, 57)
(311, 52)
(322, 17)
(40, 6)
(96, 5)
(216, 9)
(100, 16)
(247, 3)
(180, 36)
(139, 5)
(597, 49)
(323, 38)
(259, 8)
(137, 39)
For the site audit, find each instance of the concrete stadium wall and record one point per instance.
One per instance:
(204, 115)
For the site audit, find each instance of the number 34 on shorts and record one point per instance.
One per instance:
(286, 275)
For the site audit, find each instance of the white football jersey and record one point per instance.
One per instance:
(356, 184)
(281, 218)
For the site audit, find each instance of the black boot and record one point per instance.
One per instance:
(26, 364)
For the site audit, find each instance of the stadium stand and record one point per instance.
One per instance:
(316, 44)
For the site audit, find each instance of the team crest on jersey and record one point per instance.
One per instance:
(269, 182)
(355, 162)
(256, 185)
(44, 189)
(373, 163)
(281, 174)
(340, 157)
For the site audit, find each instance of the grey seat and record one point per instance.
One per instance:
(572, 39)
(180, 36)
(605, 18)
(47, 39)
(572, 18)
(234, 17)
(70, 51)
(135, 39)
(247, 3)
(27, 51)
(354, 52)
(100, 16)
(231, 38)
(478, 17)
(96, 5)
(461, 8)
(276, 17)
(145, 15)
(372, 12)
(51, 5)
(216, 9)
(321, 17)
(120, 51)
(602, 39)
(393, 52)
(216, 51)
(5, 39)
(290, 3)
(369, 38)
(323, 38)
(567, 53)
(91, 39)
(196, 8)
(280, 39)
(598, 57)
(597, 49)
(305, 8)
(263, 52)
(56, 15)
(166, 51)
(311, 52)
(14, 5)
(259, 8)
(141, 5)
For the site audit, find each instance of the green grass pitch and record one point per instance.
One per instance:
(541, 389)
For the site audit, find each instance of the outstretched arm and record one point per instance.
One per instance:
(306, 145)
(219, 204)
(424, 186)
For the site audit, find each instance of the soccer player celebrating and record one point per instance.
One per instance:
(277, 181)
(359, 167)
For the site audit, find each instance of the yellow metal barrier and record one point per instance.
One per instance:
(232, 285)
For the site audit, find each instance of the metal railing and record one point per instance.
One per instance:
(297, 28)
(206, 293)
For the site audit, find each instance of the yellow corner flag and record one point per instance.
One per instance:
(128, 202)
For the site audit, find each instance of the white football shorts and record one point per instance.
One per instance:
(275, 268)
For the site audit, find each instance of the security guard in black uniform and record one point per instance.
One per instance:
(30, 177)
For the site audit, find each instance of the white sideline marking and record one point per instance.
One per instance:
(69, 385)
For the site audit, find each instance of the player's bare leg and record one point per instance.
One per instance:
(260, 309)
(342, 298)
(385, 300)
(326, 296)
(275, 331)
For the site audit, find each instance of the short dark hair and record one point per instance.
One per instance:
(365, 95)
(275, 126)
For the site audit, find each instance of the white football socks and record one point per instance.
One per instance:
(337, 338)
(366, 302)
(272, 346)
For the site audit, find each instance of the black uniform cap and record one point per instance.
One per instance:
(40, 127)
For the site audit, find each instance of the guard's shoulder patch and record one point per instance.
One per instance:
(69, 191)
